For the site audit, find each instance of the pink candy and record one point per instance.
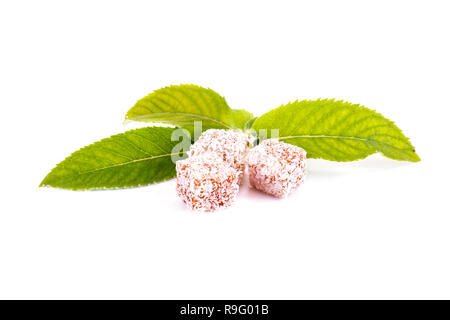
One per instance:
(206, 183)
(276, 167)
(231, 146)
(209, 179)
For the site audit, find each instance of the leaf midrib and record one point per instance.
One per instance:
(119, 165)
(323, 136)
(179, 113)
(343, 137)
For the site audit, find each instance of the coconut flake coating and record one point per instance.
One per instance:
(231, 146)
(206, 183)
(276, 167)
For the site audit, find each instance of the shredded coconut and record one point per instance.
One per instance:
(276, 167)
(231, 146)
(206, 183)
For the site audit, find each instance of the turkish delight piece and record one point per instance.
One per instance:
(229, 145)
(276, 168)
(206, 182)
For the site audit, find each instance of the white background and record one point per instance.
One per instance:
(377, 228)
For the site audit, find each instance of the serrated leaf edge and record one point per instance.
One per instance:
(345, 137)
(43, 184)
(127, 118)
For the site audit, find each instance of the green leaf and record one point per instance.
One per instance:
(337, 130)
(241, 117)
(249, 123)
(134, 158)
(182, 105)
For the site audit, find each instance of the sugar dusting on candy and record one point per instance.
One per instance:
(231, 146)
(206, 183)
(276, 167)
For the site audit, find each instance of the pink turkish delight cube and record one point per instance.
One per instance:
(229, 145)
(206, 183)
(276, 168)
